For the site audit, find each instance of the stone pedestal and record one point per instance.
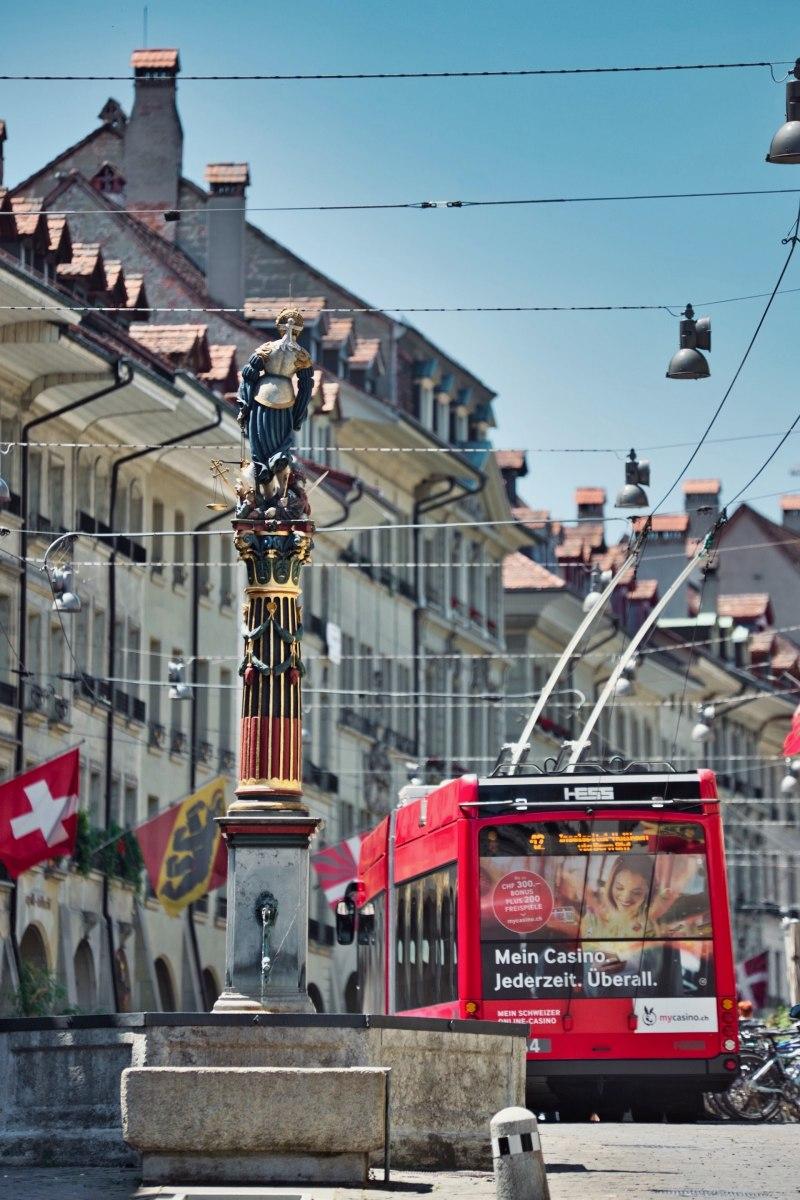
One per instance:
(254, 1125)
(267, 938)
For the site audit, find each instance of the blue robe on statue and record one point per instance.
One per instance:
(271, 427)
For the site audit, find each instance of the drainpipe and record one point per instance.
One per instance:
(421, 507)
(195, 649)
(123, 374)
(111, 655)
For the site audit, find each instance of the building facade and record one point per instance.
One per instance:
(403, 605)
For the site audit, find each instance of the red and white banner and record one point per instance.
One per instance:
(337, 867)
(39, 814)
(752, 979)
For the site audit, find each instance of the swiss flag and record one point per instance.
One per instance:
(39, 814)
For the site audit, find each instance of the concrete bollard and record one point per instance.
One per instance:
(519, 1172)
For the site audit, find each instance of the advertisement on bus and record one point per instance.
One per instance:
(614, 909)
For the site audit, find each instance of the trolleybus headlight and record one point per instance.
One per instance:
(729, 1044)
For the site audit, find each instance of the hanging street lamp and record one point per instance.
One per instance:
(633, 495)
(785, 146)
(695, 335)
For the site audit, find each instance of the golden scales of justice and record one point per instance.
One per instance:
(221, 482)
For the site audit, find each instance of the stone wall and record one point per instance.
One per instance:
(61, 1102)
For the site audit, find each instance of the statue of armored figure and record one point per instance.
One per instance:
(273, 485)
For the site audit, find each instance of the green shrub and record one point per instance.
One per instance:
(113, 851)
(40, 994)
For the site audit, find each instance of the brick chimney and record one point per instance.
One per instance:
(701, 504)
(153, 152)
(227, 183)
(3, 136)
(790, 509)
(590, 502)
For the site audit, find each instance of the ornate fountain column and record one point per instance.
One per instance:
(267, 828)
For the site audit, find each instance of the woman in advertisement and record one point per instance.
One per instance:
(640, 898)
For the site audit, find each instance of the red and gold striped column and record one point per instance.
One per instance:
(271, 750)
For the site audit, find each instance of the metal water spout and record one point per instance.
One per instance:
(267, 913)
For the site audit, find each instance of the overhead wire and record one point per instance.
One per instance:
(393, 310)
(338, 76)
(365, 206)
(792, 239)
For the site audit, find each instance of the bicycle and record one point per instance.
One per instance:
(769, 1079)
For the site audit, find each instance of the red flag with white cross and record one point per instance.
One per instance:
(39, 814)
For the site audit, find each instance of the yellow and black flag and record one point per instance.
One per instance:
(183, 850)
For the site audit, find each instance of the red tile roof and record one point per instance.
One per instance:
(22, 205)
(790, 503)
(761, 642)
(223, 365)
(114, 272)
(664, 523)
(86, 263)
(747, 606)
(522, 574)
(531, 518)
(228, 173)
(510, 460)
(339, 330)
(134, 286)
(57, 230)
(572, 548)
(365, 351)
(178, 343)
(155, 60)
(590, 495)
(785, 659)
(644, 589)
(701, 487)
(266, 308)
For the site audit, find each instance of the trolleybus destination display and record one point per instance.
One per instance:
(583, 909)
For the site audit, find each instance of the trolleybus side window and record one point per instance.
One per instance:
(425, 940)
(371, 955)
(401, 938)
(413, 957)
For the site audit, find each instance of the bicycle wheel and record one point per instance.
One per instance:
(743, 1101)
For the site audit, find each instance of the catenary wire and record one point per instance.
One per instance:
(792, 239)
(362, 564)
(337, 76)
(7, 446)
(392, 310)
(403, 204)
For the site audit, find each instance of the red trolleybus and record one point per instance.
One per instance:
(591, 907)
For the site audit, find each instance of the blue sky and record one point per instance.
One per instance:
(562, 380)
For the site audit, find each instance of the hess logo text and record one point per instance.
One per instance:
(590, 792)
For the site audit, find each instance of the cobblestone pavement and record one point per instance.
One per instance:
(585, 1162)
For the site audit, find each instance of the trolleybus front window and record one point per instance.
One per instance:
(612, 909)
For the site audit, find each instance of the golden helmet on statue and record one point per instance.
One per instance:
(290, 314)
